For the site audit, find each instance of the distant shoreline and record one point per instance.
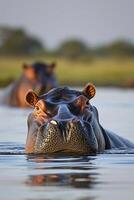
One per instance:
(102, 72)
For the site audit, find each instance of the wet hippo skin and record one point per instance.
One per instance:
(64, 121)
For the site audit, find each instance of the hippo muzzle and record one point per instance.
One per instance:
(65, 136)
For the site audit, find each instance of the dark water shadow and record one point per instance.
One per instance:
(11, 148)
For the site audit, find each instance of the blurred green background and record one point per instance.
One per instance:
(77, 63)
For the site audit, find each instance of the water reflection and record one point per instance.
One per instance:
(70, 172)
(72, 180)
(60, 175)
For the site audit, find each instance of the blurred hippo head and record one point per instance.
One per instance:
(63, 121)
(41, 76)
(38, 76)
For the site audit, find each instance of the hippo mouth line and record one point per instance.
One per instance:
(65, 137)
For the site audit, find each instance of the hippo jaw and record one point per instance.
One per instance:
(70, 137)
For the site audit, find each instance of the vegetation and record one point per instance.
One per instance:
(118, 48)
(18, 42)
(78, 63)
(73, 49)
(101, 71)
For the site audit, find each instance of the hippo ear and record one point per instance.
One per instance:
(25, 66)
(53, 65)
(89, 91)
(51, 68)
(31, 98)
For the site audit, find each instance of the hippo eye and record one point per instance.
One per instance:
(37, 108)
(40, 107)
(74, 108)
(79, 104)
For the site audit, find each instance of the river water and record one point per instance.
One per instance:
(105, 176)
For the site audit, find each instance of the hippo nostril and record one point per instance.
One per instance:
(54, 122)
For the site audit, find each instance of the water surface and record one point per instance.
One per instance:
(105, 176)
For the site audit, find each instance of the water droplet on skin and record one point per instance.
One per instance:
(53, 122)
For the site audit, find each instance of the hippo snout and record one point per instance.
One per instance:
(62, 136)
(65, 127)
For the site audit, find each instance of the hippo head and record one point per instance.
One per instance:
(63, 121)
(41, 76)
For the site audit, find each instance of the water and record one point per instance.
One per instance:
(105, 176)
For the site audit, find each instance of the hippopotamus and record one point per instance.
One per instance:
(64, 121)
(38, 76)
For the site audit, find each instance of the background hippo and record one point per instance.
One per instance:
(63, 120)
(38, 76)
